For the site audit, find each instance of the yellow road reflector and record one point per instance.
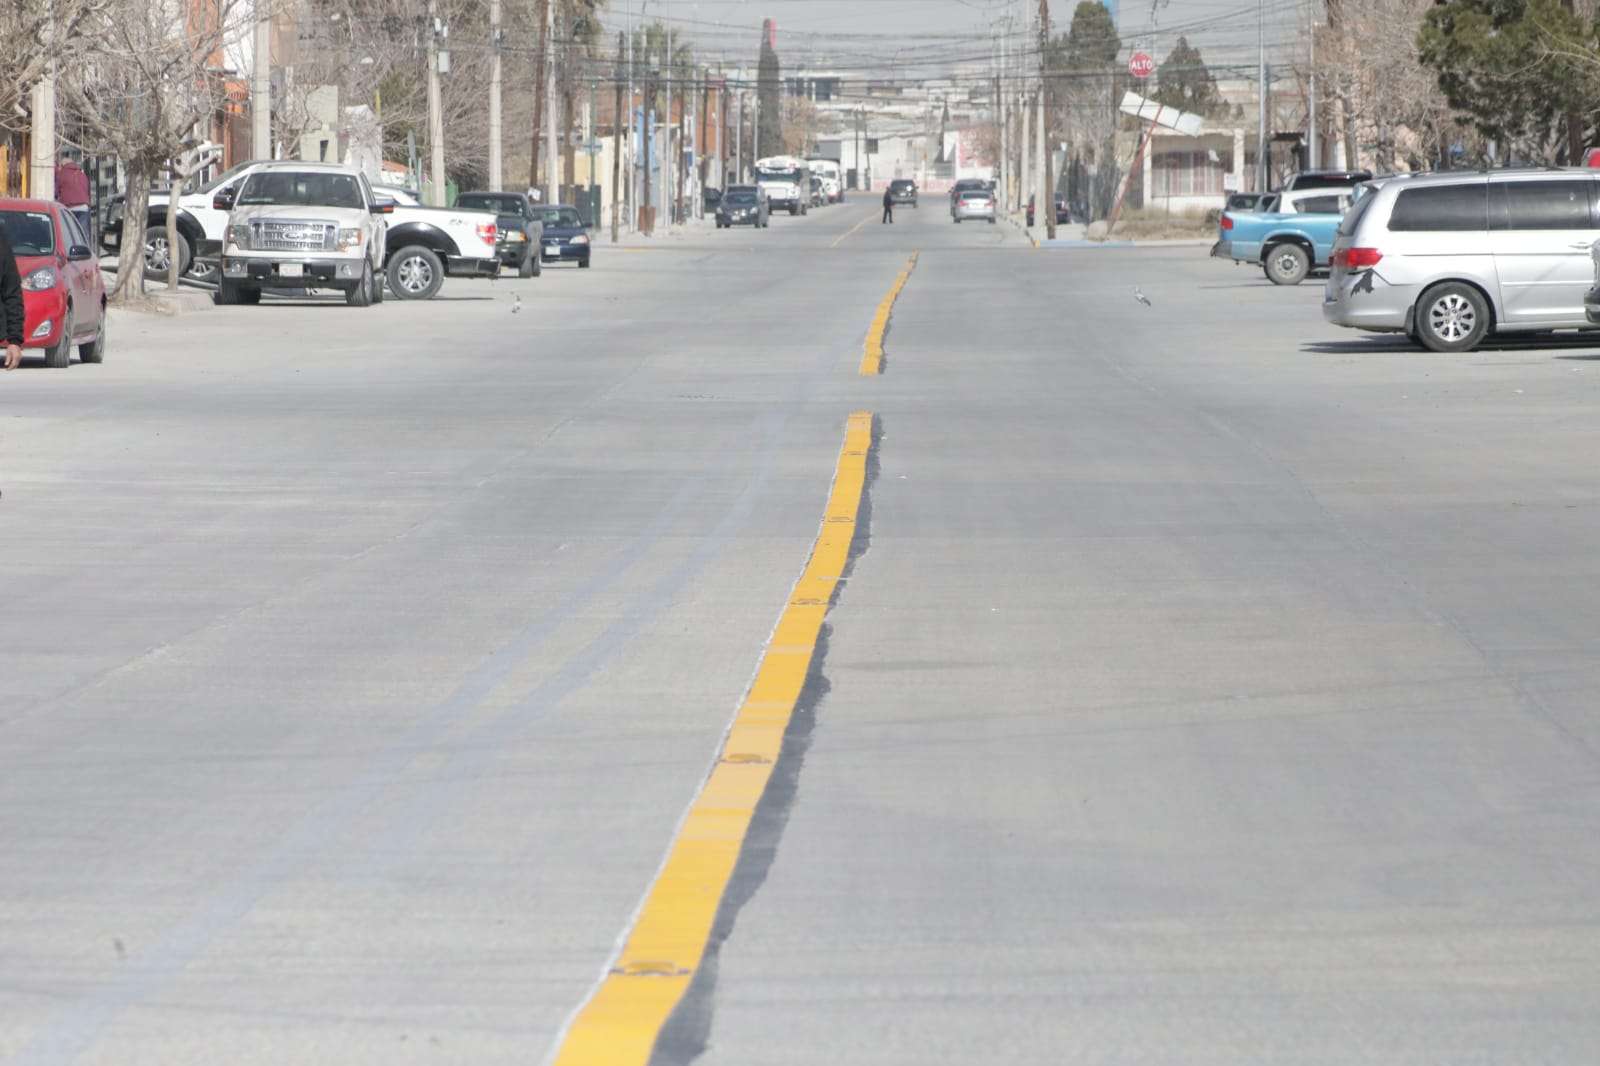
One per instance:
(622, 1019)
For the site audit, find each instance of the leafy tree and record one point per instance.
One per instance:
(1495, 62)
(1092, 42)
(1184, 82)
(769, 94)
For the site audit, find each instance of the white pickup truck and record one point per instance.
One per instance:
(302, 226)
(425, 244)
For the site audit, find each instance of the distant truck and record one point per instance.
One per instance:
(786, 181)
(832, 178)
(1289, 241)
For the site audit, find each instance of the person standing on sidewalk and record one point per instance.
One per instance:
(72, 189)
(10, 302)
(888, 207)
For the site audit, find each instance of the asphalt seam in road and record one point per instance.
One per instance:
(872, 356)
(676, 927)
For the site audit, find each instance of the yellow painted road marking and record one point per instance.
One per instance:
(622, 1019)
(872, 351)
(840, 239)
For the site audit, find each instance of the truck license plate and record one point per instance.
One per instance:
(290, 270)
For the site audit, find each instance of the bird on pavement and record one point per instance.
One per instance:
(1138, 294)
(516, 302)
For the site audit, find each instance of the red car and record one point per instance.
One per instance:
(63, 291)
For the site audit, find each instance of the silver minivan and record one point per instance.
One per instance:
(1449, 258)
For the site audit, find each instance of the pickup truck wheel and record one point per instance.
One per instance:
(415, 273)
(1286, 264)
(361, 295)
(157, 255)
(1452, 318)
(377, 288)
(227, 293)
(249, 297)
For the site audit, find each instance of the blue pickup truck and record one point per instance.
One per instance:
(1290, 239)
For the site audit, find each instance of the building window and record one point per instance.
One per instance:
(1188, 173)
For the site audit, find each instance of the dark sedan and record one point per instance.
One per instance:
(1063, 211)
(743, 205)
(565, 238)
(519, 231)
(903, 191)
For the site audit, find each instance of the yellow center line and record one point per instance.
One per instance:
(840, 239)
(623, 1017)
(872, 350)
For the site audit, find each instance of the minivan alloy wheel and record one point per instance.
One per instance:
(1452, 317)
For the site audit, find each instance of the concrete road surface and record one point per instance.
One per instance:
(1213, 686)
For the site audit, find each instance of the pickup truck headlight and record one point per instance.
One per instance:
(349, 238)
(581, 238)
(239, 236)
(41, 280)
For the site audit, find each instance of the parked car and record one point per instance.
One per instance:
(201, 227)
(1450, 258)
(903, 191)
(1063, 210)
(964, 184)
(63, 291)
(711, 197)
(743, 205)
(428, 244)
(518, 230)
(1289, 242)
(302, 226)
(973, 203)
(1325, 179)
(565, 237)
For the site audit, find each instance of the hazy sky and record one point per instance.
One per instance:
(922, 35)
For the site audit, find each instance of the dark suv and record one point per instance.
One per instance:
(903, 191)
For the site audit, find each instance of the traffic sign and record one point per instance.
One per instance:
(1141, 66)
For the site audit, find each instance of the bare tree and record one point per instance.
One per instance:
(149, 74)
(59, 25)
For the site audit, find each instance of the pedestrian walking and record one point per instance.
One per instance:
(10, 302)
(888, 207)
(72, 188)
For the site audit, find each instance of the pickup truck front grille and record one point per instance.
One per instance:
(272, 235)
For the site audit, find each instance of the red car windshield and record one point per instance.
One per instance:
(29, 232)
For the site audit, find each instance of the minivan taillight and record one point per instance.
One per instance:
(1359, 258)
(1227, 223)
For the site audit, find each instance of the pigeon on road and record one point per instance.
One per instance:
(1138, 294)
(516, 302)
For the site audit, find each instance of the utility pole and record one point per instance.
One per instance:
(1024, 174)
(616, 155)
(495, 164)
(552, 188)
(1311, 92)
(704, 132)
(1047, 191)
(633, 199)
(1044, 205)
(669, 172)
(541, 98)
(738, 143)
(1262, 169)
(646, 217)
(436, 193)
(859, 171)
(261, 84)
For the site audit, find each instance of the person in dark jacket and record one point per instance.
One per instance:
(888, 207)
(10, 301)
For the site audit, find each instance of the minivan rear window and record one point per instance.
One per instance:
(1541, 205)
(1440, 209)
(1352, 218)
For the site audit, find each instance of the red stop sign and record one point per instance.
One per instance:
(1141, 66)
